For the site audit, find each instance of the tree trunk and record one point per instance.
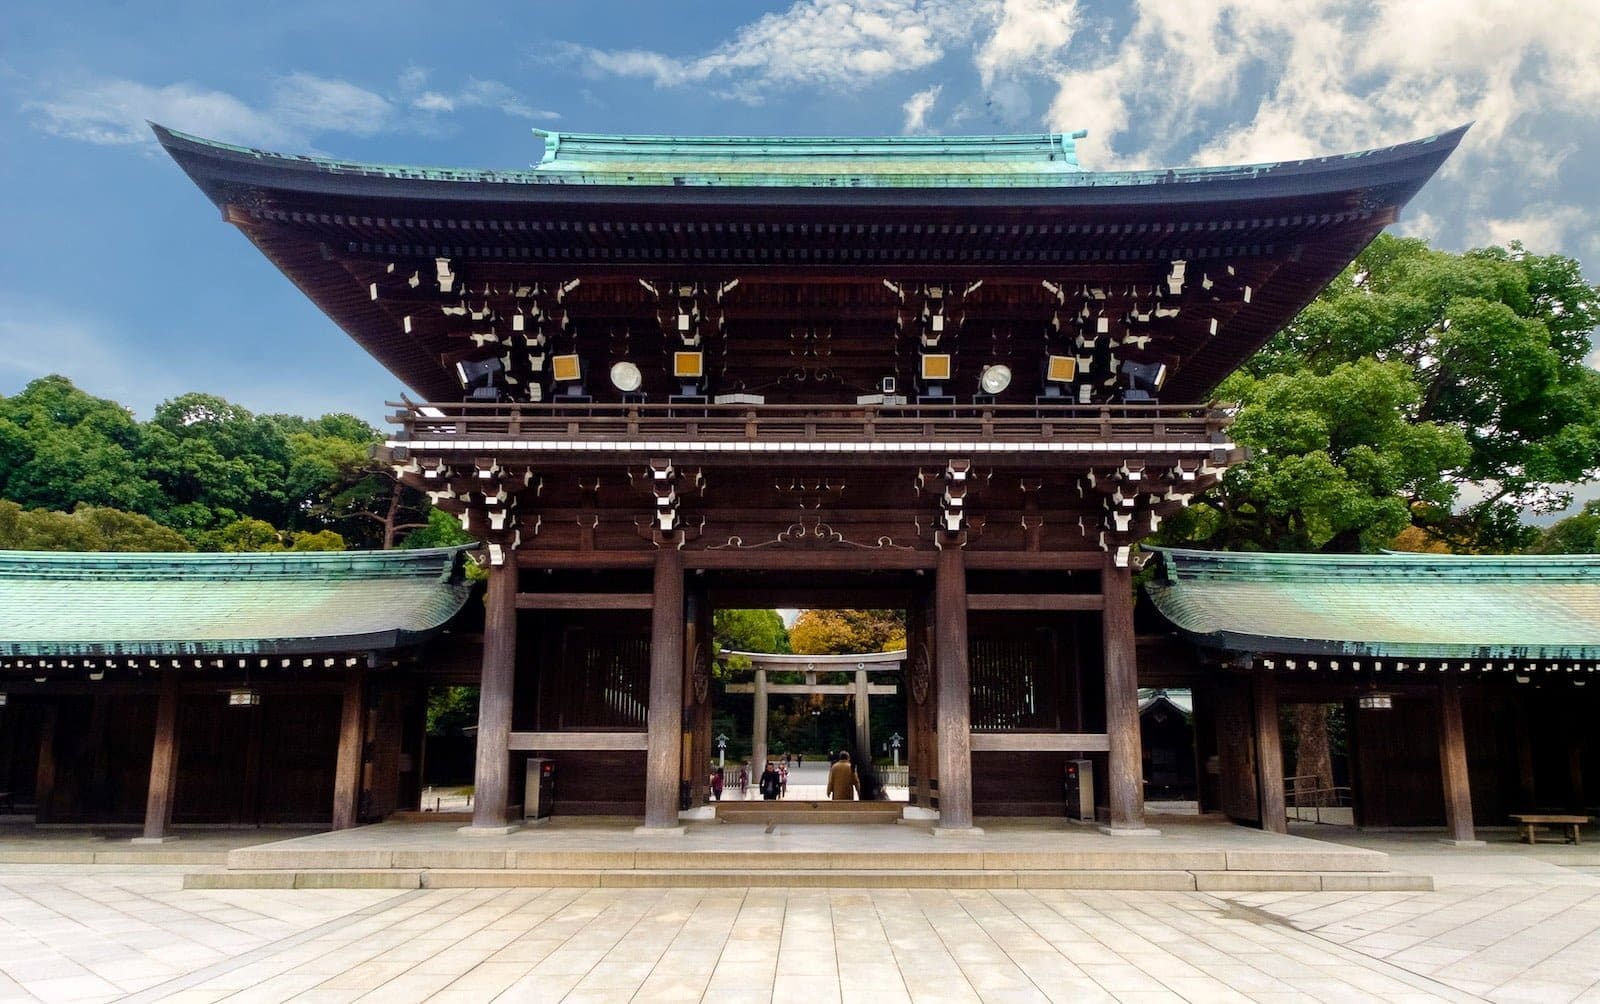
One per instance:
(1313, 763)
(389, 514)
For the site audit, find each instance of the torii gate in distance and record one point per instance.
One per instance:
(862, 665)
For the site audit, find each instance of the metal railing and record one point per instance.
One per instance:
(809, 423)
(1303, 793)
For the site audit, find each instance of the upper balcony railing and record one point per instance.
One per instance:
(807, 423)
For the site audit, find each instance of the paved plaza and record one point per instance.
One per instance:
(1505, 923)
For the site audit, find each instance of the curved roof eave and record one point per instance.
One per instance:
(217, 166)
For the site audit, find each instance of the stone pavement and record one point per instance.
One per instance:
(1506, 923)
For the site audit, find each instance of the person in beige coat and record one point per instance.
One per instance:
(842, 781)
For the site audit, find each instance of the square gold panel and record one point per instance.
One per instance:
(935, 366)
(688, 365)
(566, 369)
(1061, 369)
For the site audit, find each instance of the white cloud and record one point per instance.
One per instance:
(826, 43)
(474, 93)
(298, 107)
(1543, 228)
(1029, 35)
(917, 108)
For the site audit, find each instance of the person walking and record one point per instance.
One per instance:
(769, 782)
(843, 784)
(716, 784)
(783, 780)
(744, 779)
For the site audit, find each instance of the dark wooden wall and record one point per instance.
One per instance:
(599, 783)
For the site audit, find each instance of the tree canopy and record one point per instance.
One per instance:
(1417, 374)
(219, 476)
(838, 632)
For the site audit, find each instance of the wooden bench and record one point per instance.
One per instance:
(1528, 826)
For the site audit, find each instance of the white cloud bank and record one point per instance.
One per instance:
(295, 109)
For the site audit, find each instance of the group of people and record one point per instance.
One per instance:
(843, 782)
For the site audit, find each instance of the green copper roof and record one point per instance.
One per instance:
(1384, 605)
(70, 604)
(894, 160)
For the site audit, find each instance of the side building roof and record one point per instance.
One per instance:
(1384, 605)
(73, 604)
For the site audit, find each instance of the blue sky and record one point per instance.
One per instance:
(115, 270)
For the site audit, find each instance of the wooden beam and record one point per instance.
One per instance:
(1040, 742)
(1035, 561)
(1034, 601)
(798, 560)
(952, 677)
(665, 714)
(830, 689)
(585, 559)
(557, 741)
(1453, 766)
(163, 760)
(347, 761)
(492, 775)
(1269, 752)
(1125, 791)
(584, 601)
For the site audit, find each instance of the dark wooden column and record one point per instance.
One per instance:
(163, 762)
(1453, 766)
(491, 808)
(952, 678)
(1125, 787)
(1269, 752)
(347, 762)
(665, 717)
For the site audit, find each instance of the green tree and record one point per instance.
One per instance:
(1335, 463)
(60, 447)
(1494, 341)
(439, 530)
(89, 528)
(749, 631)
(1576, 534)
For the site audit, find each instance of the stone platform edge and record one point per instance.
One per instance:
(1171, 880)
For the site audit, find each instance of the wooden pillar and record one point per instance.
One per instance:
(491, 808)
(665, 715)
(758, 728)
(1269, 752)
(1453, 766)
(1125, 786)
(952, 679)
(352, 741)
(863, 718)
(163, 762)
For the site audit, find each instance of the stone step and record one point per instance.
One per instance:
(792, 812)
(1130, 859)
(829, 878)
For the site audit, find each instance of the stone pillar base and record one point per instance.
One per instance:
(489, 831)
(153, 840)
(1462, 843)
(1129, 831)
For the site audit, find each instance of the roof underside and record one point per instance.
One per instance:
(1384, 606)
(811, 248)
(65, 604)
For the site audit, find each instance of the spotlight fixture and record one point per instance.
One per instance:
(1144, 380)
(995, 378)
(625, 376)
(481, 378)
